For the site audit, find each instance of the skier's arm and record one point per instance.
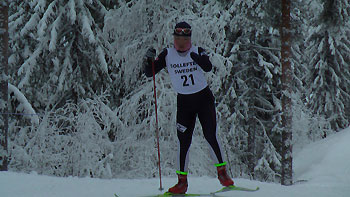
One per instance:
(202, 59)
(159, 63)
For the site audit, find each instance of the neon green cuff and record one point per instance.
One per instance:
(180, 172)
(220, 164)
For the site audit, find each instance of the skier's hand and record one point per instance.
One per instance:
(202, 60)
(149, 57)
(151, 53)
(196, 58)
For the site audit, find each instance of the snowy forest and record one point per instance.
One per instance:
(75, 100)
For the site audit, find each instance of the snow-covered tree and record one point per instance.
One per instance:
(303, 118)
(77, 63)
(254, 81)
(69, 58)
(59, 54)
(110, 4)
(4, 7)
(328, 48)
(21, 45)
(74, 140)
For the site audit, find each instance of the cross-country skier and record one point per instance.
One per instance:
(186, 65)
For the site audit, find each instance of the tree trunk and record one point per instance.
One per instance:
(4, 85)
(287, 149)
(251, 146)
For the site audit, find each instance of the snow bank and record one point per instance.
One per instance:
(324, 164)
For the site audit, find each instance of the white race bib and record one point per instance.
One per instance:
(186, 76)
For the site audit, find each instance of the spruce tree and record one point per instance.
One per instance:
(328, 81)
(255, 77)
(69, 58)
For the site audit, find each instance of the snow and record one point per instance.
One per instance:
(31, 24)
(53, 40)
(322, 169)
(24, 106)
(87, 31)
(326, 162)
(72, 12)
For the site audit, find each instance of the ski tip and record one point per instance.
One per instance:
(236, 188)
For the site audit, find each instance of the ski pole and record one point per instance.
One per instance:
(157, 130)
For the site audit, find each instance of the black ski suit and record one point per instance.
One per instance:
(189, 106)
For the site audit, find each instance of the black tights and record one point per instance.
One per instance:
(201, 104)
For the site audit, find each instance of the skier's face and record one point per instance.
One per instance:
(182, 43)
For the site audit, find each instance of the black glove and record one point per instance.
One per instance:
(202, 60)
(149, 57)
(196, 58)
(151, 53)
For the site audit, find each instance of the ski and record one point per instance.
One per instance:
(213, 194)
(167, 194)
(235, 188)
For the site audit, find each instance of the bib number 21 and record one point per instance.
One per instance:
(187, 80)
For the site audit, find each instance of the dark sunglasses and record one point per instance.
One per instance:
(183, 31)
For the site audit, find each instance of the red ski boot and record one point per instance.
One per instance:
(181, 186)
(224, 179)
